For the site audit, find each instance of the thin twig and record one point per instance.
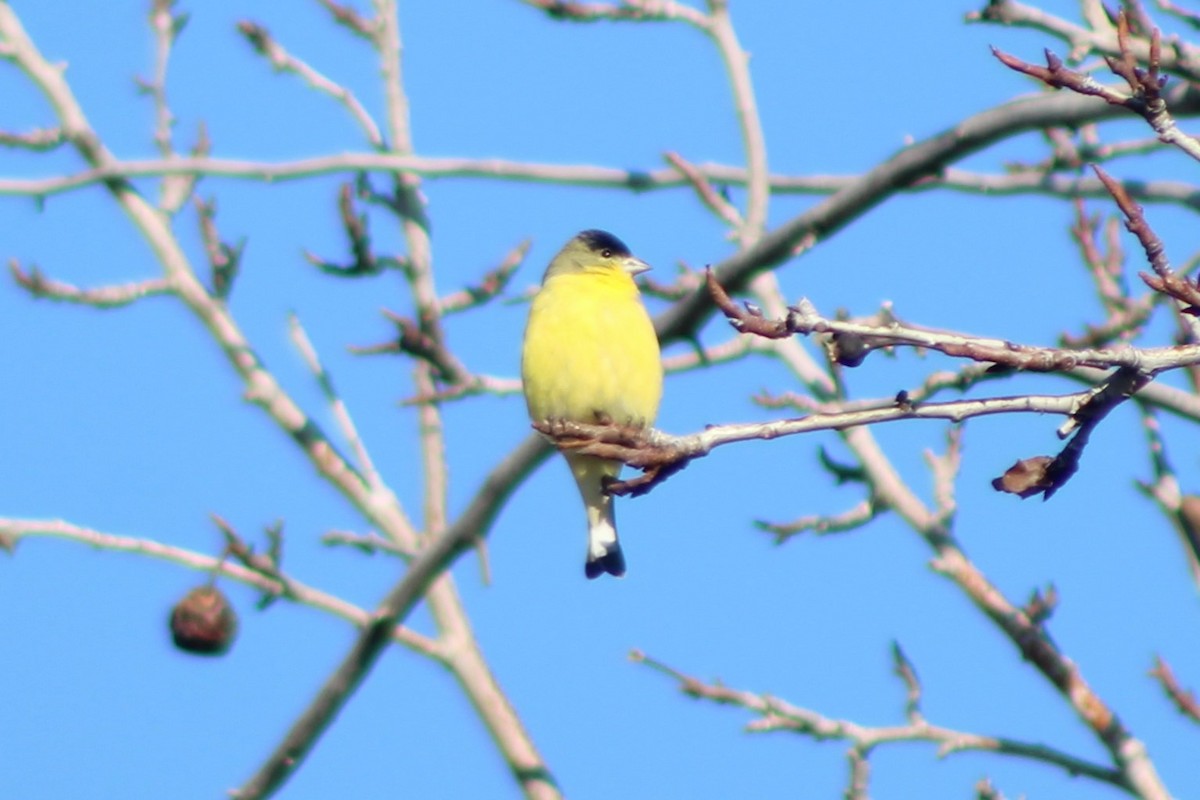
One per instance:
(39, 140)
(898, 173)
(298, 592)
(370, 543)
(860, 515)
(166, 26)
(283, 61)
(38, 285)
(224, 260)
(338, 406)
(662, 455)
(778, 715)
(1184, 699)
(754, 144)
(351, 19)
(704, 189)
(490, 286)
(1144, 96)
(804, 319)
(1182, 510)
(627, 10)
(907, 673)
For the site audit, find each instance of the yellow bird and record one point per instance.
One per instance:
(591, 354)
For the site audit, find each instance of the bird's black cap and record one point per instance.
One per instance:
(603, 240)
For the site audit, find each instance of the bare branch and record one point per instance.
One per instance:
(493, 283)
(432, 562)
(632, 10)
(20, 529)
(1041, 605)
(1184, 699)
(854, 518)
(778, 715)
(364, 261)
(1181, 59)
(412, 340)
(1027, 182)
(39, 286)
(474, 386)
(1145, 85)
(1190, 17)
(1164, 280)
(907, 673)
(369, 543)
(662, 455)
(340, 412)
(351, 19)
(427, 575)
(900, 172)
(1135, 770)
(283, 61)
(166, 25)
(804, 319)
(1183, 511)
(224, 260)
(945, 469)
(720, 29)
(1056, 185)
(39, 140)
(710, 196)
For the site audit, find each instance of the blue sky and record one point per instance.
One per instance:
(131, 422)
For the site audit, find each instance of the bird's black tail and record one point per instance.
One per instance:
(612, 562)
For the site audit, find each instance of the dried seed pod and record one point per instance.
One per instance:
(1027, 477)
(203, 622)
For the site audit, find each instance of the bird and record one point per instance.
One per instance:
(590, 354)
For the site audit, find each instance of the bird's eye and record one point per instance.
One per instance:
(606, 253)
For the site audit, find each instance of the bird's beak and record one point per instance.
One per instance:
(634, 266)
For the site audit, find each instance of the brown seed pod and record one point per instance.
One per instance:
(204, 622)
(1027, 477)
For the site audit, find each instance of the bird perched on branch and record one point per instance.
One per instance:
(591, 355)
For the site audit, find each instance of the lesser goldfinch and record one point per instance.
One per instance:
(591, 355)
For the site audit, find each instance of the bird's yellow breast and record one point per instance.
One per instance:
(590, 349)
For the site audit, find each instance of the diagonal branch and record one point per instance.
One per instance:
(283, 61)
(904, 170)
(1183, 699)
(428, 574)
(395, 607)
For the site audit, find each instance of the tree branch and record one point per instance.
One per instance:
(779, 715)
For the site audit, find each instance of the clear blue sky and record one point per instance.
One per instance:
(130, 422)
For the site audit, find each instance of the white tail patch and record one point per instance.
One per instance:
(602, 533)
(604, 551)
